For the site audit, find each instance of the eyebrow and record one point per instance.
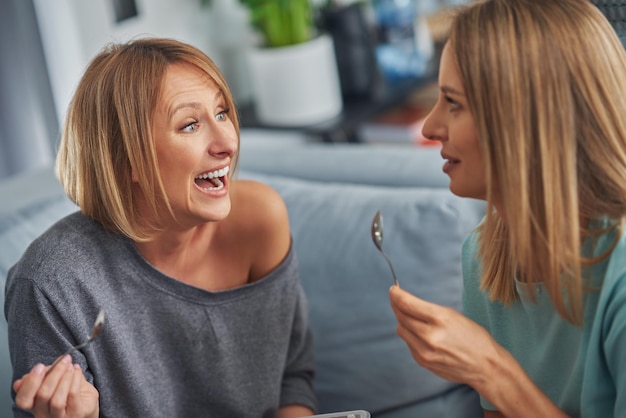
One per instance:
(178, 107)
(450, 90)
(193, 105)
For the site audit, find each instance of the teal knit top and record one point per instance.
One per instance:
(581, 369)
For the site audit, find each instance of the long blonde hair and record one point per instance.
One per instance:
(546, 82)
(107, 134)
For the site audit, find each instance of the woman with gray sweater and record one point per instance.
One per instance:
(205, 314)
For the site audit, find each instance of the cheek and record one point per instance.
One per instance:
(466, 138)
(479, 170)
(175, 168)
(475, 156)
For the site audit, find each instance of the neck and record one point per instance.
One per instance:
(171, 251)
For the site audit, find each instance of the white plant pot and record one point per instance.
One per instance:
(296, 85)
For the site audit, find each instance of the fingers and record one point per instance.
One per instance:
(17, 385)
(55, 380)
(44, 390)
(74, 399)
(406, 304)
(415, 344)
(58, 401)
(412, 326)
(26, 388)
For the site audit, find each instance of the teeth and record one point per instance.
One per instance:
(214, 174)
(218, 185)
(214, 177)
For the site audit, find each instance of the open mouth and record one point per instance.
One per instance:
(212, 180)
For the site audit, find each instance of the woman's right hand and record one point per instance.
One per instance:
(58, 392)
(458, 349)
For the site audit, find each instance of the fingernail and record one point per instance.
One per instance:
(39, 368)
(66, 359)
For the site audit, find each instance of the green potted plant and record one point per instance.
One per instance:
(280, 22)
(292, 70)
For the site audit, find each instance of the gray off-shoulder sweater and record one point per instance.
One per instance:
(167, 349)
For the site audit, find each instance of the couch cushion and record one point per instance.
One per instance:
(362, 363)
(31, 203)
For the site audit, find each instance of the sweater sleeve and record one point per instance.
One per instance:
(37, 332)
(297, 385)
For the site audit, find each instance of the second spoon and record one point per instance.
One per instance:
(377, 237)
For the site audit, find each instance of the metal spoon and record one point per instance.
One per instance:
(97, 328)
(377, 237)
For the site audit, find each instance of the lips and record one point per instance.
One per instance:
(212, 180)
(449, 158)
(450, 163)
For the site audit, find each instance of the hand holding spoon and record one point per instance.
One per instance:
(377, 237)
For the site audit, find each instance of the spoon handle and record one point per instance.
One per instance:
(393, 273)
(70, 351)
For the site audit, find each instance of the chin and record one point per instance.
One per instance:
(221, 213)
(466, 192)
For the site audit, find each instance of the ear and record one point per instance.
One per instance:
(133, 176)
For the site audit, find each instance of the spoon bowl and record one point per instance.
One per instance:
(377, 237)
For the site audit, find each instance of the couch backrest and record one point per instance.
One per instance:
(397, 166)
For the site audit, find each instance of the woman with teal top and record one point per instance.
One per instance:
(531, 115)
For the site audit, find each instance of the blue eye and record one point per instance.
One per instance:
(192, 127)
(223, 115)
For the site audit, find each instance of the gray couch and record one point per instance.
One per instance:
(332, 192)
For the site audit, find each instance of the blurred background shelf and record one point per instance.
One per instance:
(356, 111)
(385, 96)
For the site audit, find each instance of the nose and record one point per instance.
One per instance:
(433, 128)
(223, 142)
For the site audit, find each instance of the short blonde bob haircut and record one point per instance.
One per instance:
(546, 84)
(107, 134)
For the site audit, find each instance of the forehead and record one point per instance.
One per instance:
(184, 82)
(184, 78)
(448, 71)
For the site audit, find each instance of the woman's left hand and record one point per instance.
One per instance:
(444, 341)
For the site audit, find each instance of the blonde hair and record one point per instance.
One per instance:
(107, 134)
(546, 84)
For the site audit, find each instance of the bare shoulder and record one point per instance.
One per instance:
(259, 204)
(260, 215)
